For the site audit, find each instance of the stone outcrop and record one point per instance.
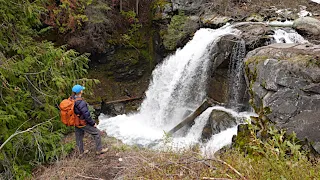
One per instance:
(255, 35)
(218, 83)
(189, 6)
(214, 20)
(308, 27)
(284, 81)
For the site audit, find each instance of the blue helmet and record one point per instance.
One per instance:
(77, 88)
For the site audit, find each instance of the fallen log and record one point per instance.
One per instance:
(191, 117)
(116, 101)
(123, 100)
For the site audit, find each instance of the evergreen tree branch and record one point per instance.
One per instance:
(36, 87)
(27, 130)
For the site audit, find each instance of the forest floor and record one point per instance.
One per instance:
(88, 166)
(131, 162)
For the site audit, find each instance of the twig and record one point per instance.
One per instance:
(209, 178)
(87, 177)
(28, 130)
(229, 166)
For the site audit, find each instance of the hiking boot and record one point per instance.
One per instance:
(102, 151)
(84, 153)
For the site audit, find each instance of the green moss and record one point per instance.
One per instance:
(255, 59)
(177, 30)
(267, 110)
(263, 84)
(159, 4)
(126, 56)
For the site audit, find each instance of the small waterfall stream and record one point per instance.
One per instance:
(236, 80)
(289, 36)
(178, 87)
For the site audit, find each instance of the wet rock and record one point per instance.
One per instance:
(112, 109)
(218, 86)
(255, 35)
(218, 121)
(308, 27)
(284, 81)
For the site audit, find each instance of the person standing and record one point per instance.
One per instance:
(82, 111)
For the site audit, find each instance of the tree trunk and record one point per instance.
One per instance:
(191, 117)
(137, 7)
(120, 5)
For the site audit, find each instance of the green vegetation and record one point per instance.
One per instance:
(177, 30)
(279, 156)
(66, 16)
(35, 76)
(134, 37)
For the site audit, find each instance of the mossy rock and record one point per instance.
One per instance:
(127, 64)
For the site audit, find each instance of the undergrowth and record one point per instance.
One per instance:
(277, 157)
(280, 156)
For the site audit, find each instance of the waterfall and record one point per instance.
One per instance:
(236, 77)
(282, 36)
(178, 87)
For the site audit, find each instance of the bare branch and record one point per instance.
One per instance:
(230, 167)
(27, 130)
(209, 178)
(87, 177)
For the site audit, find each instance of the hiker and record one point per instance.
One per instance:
(81, 110)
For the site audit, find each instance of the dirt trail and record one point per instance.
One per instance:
(89, 166)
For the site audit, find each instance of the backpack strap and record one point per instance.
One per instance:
(78, 99)
(75, 100)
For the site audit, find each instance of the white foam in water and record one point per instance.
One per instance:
(218, 141)
(177, 88)
(316, 1)
(282, 36)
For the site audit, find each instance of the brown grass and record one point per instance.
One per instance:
(128, 162)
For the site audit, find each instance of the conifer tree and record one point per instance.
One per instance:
(34, 77)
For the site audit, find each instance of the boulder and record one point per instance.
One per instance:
(226, 81)
(214, 21)
(308, 27)
(218, 83)
(256, 35)
(189, 6)
(218, 121)
(283, 81)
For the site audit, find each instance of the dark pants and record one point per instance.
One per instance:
(91, 130)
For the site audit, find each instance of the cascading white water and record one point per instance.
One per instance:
(178, 86)
(282, 36)
(236, 80)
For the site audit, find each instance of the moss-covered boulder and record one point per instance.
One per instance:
(283, 81)
(179, 30)
(127, 64)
